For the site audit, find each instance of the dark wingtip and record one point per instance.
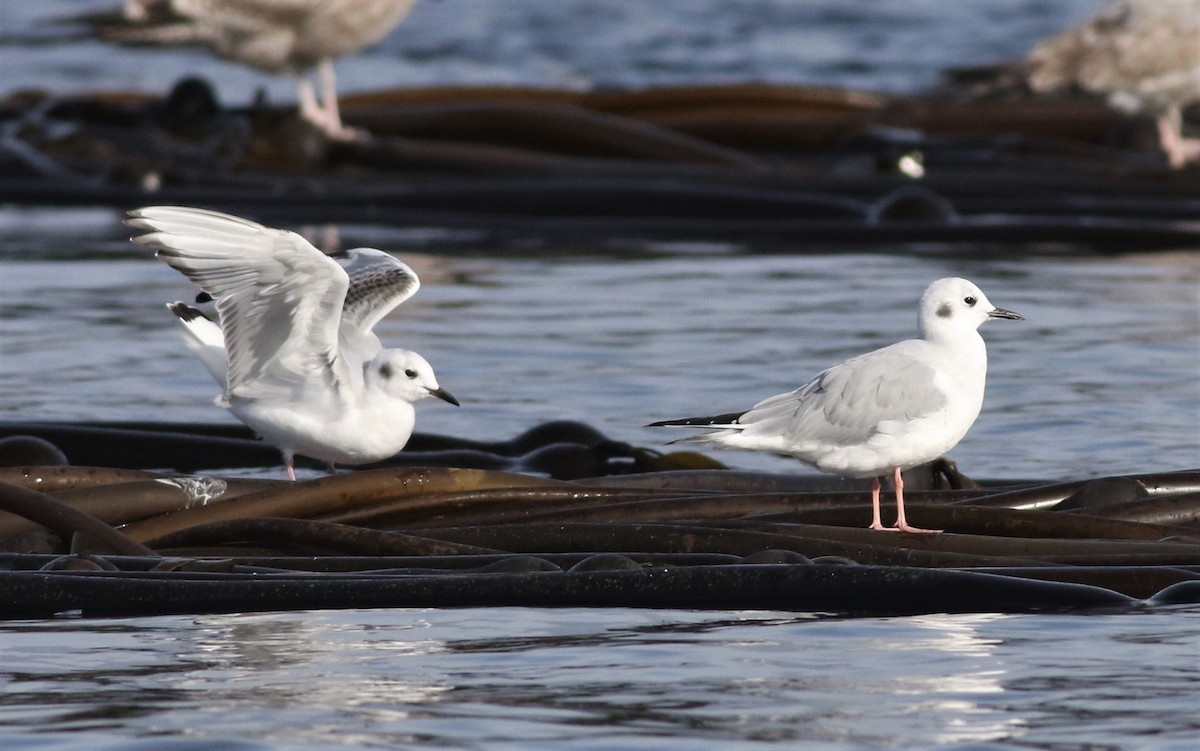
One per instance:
(729, 418)
(184, 311)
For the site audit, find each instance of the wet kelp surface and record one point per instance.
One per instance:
(773, 165)
(636, 528)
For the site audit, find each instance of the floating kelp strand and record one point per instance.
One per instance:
(117, 503)
(566, 128)
(358, 564)
(1016, 548)
(30, 451)
(849, 590)
(1041, 497)
(994, 521)
(145, 449)
(313, 535)
(449, 509)
(687, 538)
(1179, 557)
(65, 520)
(542, 434)
(625, 505)
(1181, 510)
(54, 479)
(1170, 483)
(1134, 581)
(1183, 593)
(328, 495)
(1049, 495)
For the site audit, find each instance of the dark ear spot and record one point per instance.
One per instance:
(944, 310)
(385, 371)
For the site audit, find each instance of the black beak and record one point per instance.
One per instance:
(1002, 313)
(444, 395)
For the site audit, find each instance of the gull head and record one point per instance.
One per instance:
(405, 375)
(953, 306)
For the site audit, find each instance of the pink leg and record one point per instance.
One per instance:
(1179, 150)
(324, 113)
(902, 523)
(287, 462)
(876, 522)
(310, 109)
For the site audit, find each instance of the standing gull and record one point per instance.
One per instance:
(288, 37)
(294, 350)
(1143, 55)
(885, 411)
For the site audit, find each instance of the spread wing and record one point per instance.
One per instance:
(279, 298)
(378, 283)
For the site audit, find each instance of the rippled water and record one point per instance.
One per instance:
(602, 679)
(1102, 378)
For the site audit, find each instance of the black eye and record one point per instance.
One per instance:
(410, 373)
(970, 301)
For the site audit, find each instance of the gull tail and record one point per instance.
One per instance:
(204, 338)
(725, 425)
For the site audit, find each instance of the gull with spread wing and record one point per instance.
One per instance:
(294, 348)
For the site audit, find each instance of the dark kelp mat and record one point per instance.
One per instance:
(643, 529)
(775, 166)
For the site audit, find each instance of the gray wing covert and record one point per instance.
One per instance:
(846, 403)
(378, 283)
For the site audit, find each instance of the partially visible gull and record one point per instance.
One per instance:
(1142, 55)
(274, 36)
(293, 349)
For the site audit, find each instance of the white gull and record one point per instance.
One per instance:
(1141, 54)
(294, 349)
(885, 411)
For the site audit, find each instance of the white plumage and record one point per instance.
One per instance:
(293, 349)
(288, 37)
(885, 411)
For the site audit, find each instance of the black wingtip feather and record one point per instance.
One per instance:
(729, 418)
(184, 311)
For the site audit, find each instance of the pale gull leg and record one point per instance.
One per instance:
(324, 113)
(310, 109)
(876, 522)
(1179, 150)
(288, 461)
(329, 99)
(902, 523)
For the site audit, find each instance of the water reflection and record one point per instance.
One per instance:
(606, 678)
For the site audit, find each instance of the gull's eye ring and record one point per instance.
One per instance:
(970, 301)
